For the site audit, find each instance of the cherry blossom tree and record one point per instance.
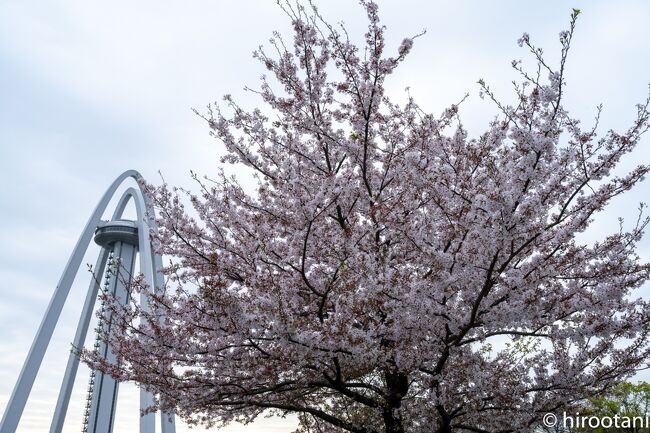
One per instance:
(390, 273)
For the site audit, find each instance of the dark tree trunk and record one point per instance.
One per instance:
(397, 385)
(445, 420)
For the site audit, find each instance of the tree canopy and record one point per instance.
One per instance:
(391, 273)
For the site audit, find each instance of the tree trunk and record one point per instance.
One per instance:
(397, 385)
(445, 420)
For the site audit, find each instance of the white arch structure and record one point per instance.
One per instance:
(101, 411)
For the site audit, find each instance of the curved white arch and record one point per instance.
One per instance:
(148, 261)
(72, 366)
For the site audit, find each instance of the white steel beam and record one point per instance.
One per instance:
(104, 397)
(80, 337)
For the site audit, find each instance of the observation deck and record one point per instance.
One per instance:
(109, 232)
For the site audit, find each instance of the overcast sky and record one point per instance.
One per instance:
(89, 89)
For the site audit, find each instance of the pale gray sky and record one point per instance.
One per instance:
(89, 89)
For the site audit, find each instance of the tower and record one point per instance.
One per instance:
(121, 242)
